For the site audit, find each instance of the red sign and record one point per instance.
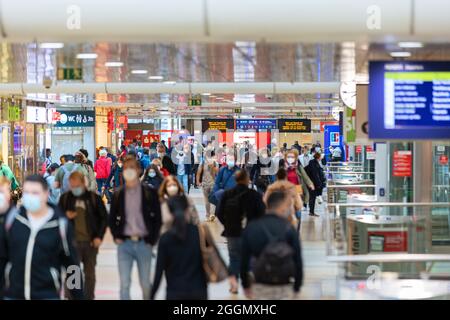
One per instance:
(358, 149)
(393, 241)
(110, 121)
(402, 164)
(443, 159)
(56, 117)
(369, 148)
(325, 123)
(122, 122)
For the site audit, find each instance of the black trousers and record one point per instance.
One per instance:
(312, 198)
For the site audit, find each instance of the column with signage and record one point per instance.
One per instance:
(73, 130)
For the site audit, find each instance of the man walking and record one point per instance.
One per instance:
(135, 223)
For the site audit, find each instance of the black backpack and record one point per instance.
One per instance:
(275, 265)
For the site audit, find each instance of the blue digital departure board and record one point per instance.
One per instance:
(409, 100)
(256, 124)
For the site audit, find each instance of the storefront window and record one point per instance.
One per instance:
(441, 192)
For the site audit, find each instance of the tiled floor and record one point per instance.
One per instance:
(319, 281)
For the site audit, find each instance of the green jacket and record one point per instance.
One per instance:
(7, 172)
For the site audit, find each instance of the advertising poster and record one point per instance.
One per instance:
(402, 163)
(388, 241)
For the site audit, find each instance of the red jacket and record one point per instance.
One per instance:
(102, 167)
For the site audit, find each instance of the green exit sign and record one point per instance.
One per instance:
(13, 113)
(70, 74)
(299, 114)
(193, 102)
(238, 110)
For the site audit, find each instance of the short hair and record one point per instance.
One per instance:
(76, 175)
(69, 157)
(241, 177)
(317, 155)
(53, 167)
(85, 152)
(275, 199)
(131, 160)
(281, 174)
(146, 151)
(79, 157)
(36, 178)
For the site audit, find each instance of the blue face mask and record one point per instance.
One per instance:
(77, 191)
(31, 202)
(152, 174)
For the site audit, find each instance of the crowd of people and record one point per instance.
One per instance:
(142, 196)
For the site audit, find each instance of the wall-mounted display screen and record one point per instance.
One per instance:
(256, 124)
(217, 124)
(294, 125)
(409, 100)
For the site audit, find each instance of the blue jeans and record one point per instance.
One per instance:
(128, 252)
(100, 184)
(184, 182)
(234, 251)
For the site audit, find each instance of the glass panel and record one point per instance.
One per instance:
(441, 193)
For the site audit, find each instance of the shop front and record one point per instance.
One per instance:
(72, 131)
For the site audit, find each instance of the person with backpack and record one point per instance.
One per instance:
(35, 244)
(145, 159)
(135, 224)
(180, 256)
(81, 159)
(63, 173)
(102, 169)
(274, 247)
(237, 204)
(86, 211)
(50, 178)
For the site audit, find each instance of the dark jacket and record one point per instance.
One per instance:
(181, 261)
(3, 260)
(168, 164)
(51, 250)
(97, 217)
(225, 179)
(151, 211)
(316, 174)
(154, 182)
(249, 201)
(117, 175)
(254, 240)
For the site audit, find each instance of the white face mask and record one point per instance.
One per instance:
(3, 204)
(172, 190)
(290, 160)
(230, 164)
(152, 174)
(129, 174)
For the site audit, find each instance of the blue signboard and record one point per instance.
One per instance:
(79, 118)
(333, 138)
(256, 124)
(409, 100)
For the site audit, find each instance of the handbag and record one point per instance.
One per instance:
(213, 264)
(299, 189)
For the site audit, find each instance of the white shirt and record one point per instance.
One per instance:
(304, 159)
(37, 223)
(337, 152)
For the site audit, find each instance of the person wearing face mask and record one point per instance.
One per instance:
(86, 211)
(152, 177)
(296, 174)
(6, 205)
(157, 162)
(237, 205)
(260, 238)
(37, 242)
(135, 223)
(116, 177)
(102, 168)
(262, 172)
(166, 160)
(169, 188)
(225, 179)
(197, 151)
(183, 159)
(317, 175)
(206, 175)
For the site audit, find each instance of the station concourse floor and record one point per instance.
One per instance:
(319, 275)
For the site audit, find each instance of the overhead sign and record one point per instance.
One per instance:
(256, 124)
(217, 124)
(402, 163)
(80, 118)
(13, 113)
(37, 115)
(294, 125)
(195, 101)
(70, 74)
(324, 123)
(409, 100)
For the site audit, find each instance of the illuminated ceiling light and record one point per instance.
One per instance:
(155, 77)
(113, 64)
(86, 56)
(206, 94)
(400, 54)
(139, 71)
(410, 44)
(219, 98)
(51, 45)
(169, 82)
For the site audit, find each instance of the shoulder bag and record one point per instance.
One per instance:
(213, 264)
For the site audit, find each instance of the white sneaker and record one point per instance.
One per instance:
(319, 200)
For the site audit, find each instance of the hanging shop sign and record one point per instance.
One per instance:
(122, 122)
(79, 118)
(402, 163)
(256, 124)
(358, 149)
(294, 125)
(195, 101)
(70, 74)
(13, 113)
(217, 124)
(324, 123)
(37, 115)
(110, 120)
(350, 125)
